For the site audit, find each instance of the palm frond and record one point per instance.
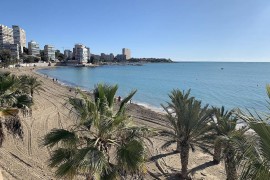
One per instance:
(125, 101)
(65, 137)
(131, 155)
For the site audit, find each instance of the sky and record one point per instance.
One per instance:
(183, 30)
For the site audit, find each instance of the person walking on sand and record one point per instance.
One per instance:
(119, 98)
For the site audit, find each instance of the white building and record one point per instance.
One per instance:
(81, 53)
(7, 41)
(6, 36)
(19, 37)
(33, 48)
(68, 54)
(126, 53)
(49, 52)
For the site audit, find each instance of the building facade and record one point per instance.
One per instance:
(7, 41)
(119, 57)
(107, 57)
(49, 52)
(126, 53)
(33, 48)
(19, 37)
(68, 54)
(6, 36)
(81, 53)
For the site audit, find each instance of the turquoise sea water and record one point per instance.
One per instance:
(236, 85)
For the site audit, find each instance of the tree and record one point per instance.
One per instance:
(187, 121)
(12, 98)
(25, 51)
(229, 140)
(31, 84)
(103, 144)
(42, 55)
(256, 152)
(5, 57)
(58, 55)
(256, 160)
(223, 122)
(30, 59)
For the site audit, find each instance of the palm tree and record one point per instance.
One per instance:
(256, 161)
(31, 84)
(230, 141)
(188, 125)
(103, 144)
(11, 98)
(223, 122)
(256, 154)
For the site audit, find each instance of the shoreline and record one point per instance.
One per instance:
(69, 85)
(26, 159)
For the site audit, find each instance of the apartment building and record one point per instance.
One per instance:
(126, 53)
(68, 54)
(49, 52)
(6, 36)
(81, 53)
(7, 41)
(33, 48)
(107, 57)
(19, 37)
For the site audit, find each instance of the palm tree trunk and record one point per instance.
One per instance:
(184, 154)
(217, 153)
(230, 165)
(178, 147)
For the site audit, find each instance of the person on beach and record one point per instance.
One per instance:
(119, 98)
(53, 79)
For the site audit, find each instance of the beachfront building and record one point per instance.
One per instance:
(68, 54)
(33, 48)
(7, 41)
(119, 57)
(6, 36)
(81, 53)
(15, 50)
(107, 57)
(126, 53)
(49, 52)
(95, 57)
(19, 37)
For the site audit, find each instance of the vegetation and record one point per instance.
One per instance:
(6, 58)
(150, 60)
(58, 55)
(30, 59)
(103, 144)
(228, 140)
(25, 51)
(187, 121)
(31, 84)
(42, 55)
(223, 123)
(255, 160)
(12, 98)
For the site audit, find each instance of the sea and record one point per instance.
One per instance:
(230, 84)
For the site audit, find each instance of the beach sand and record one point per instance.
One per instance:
(28, 160)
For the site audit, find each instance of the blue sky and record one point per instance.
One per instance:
(183, 30)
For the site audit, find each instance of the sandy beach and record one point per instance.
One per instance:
(28, 160)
